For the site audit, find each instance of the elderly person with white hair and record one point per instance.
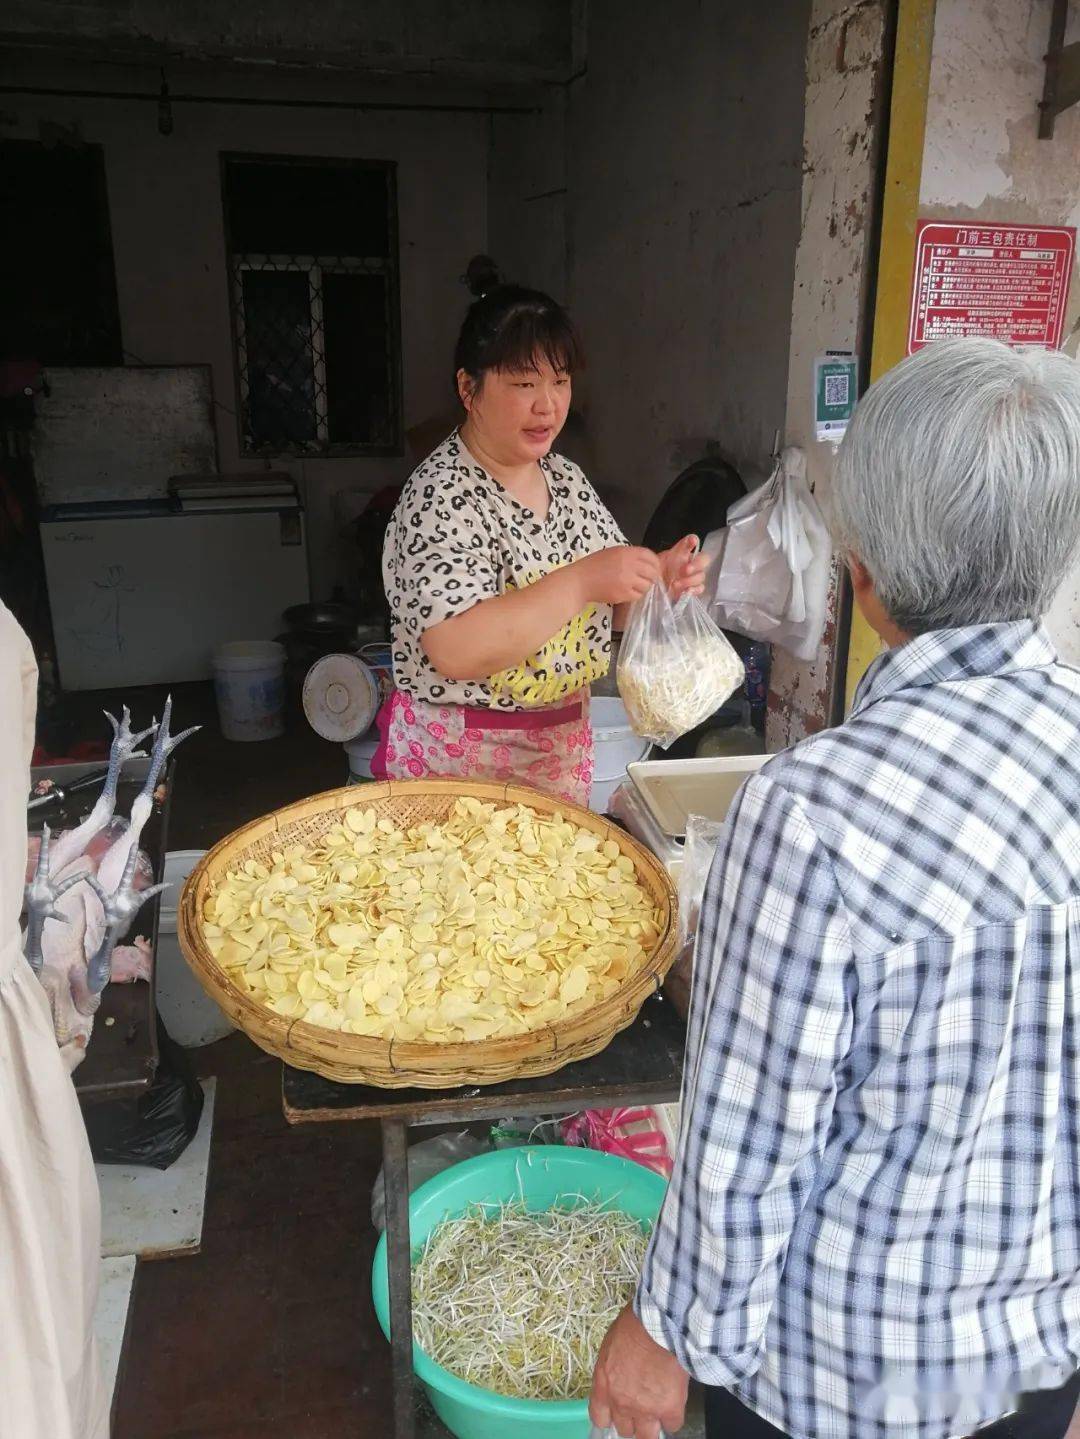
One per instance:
(873, 1228)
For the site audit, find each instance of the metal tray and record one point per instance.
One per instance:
(673, 789)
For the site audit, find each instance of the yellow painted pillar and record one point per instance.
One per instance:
(899, 216)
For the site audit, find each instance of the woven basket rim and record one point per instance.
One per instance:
(354, 1058)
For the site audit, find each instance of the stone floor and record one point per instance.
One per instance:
(269, 1331)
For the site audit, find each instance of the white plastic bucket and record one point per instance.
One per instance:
(361, 752)
(615, 745)
(187, 1011)
(249, 681)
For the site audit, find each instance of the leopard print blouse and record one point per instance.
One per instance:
(456, 538)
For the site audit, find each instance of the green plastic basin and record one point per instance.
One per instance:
(545, 1177)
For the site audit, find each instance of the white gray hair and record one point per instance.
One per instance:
(957, 484)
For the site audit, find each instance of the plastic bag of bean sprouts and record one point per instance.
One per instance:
(676, 667)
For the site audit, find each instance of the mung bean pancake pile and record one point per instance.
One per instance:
(488, 924)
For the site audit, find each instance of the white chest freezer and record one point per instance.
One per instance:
(142, 592)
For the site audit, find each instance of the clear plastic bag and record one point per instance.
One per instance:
(769, 576)
(610, 1433)
(426, 1159)
(676, 668)
(697, 857)
(699, 847)
(512, 1131)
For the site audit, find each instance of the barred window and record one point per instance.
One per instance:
(312, 254)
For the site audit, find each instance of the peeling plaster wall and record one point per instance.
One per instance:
(982, 147)
(983, 158)
(683, 176)
(843, 79)
(169, 244)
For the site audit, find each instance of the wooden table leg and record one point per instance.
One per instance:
(399, 1272)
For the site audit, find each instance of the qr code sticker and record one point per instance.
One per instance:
(837, 390)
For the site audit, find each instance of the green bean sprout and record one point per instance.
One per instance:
(519, 1303)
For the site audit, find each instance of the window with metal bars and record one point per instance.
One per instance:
(312, 253)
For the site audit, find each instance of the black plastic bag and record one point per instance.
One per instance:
(155, 1129)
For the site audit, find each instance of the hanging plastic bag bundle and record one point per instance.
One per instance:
(676, 668)
(770, 570)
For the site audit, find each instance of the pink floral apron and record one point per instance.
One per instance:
(549, 749)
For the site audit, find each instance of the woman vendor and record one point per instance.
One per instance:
(505, 572)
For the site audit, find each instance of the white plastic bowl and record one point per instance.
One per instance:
(615, 747)
(187, 1011)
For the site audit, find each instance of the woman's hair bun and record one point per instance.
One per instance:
(513, 328)
(481, 275)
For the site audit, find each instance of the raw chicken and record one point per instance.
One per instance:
(85, 892)
(97, 848)
(130, 961)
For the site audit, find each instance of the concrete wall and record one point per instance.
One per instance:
(682, 212)
(503, 39)
(983, 158)
(165, 202)
(658, 191)
(844, 79)
(527, 196)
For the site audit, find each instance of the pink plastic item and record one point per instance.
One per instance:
(630, 1133)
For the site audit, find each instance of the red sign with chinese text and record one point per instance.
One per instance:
(1010, 282)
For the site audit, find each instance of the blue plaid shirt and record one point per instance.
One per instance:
(873, 1227)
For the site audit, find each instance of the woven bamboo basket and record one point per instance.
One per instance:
(359, 1059)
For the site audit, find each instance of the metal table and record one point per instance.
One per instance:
(642, 1065)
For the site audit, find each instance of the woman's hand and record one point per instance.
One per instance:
(683, 568)
(638, 1386)
(618, 575)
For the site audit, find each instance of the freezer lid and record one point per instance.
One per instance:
(264, 481)
(264, 490)
(95, 511)
(79, 511)
(239, 504)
